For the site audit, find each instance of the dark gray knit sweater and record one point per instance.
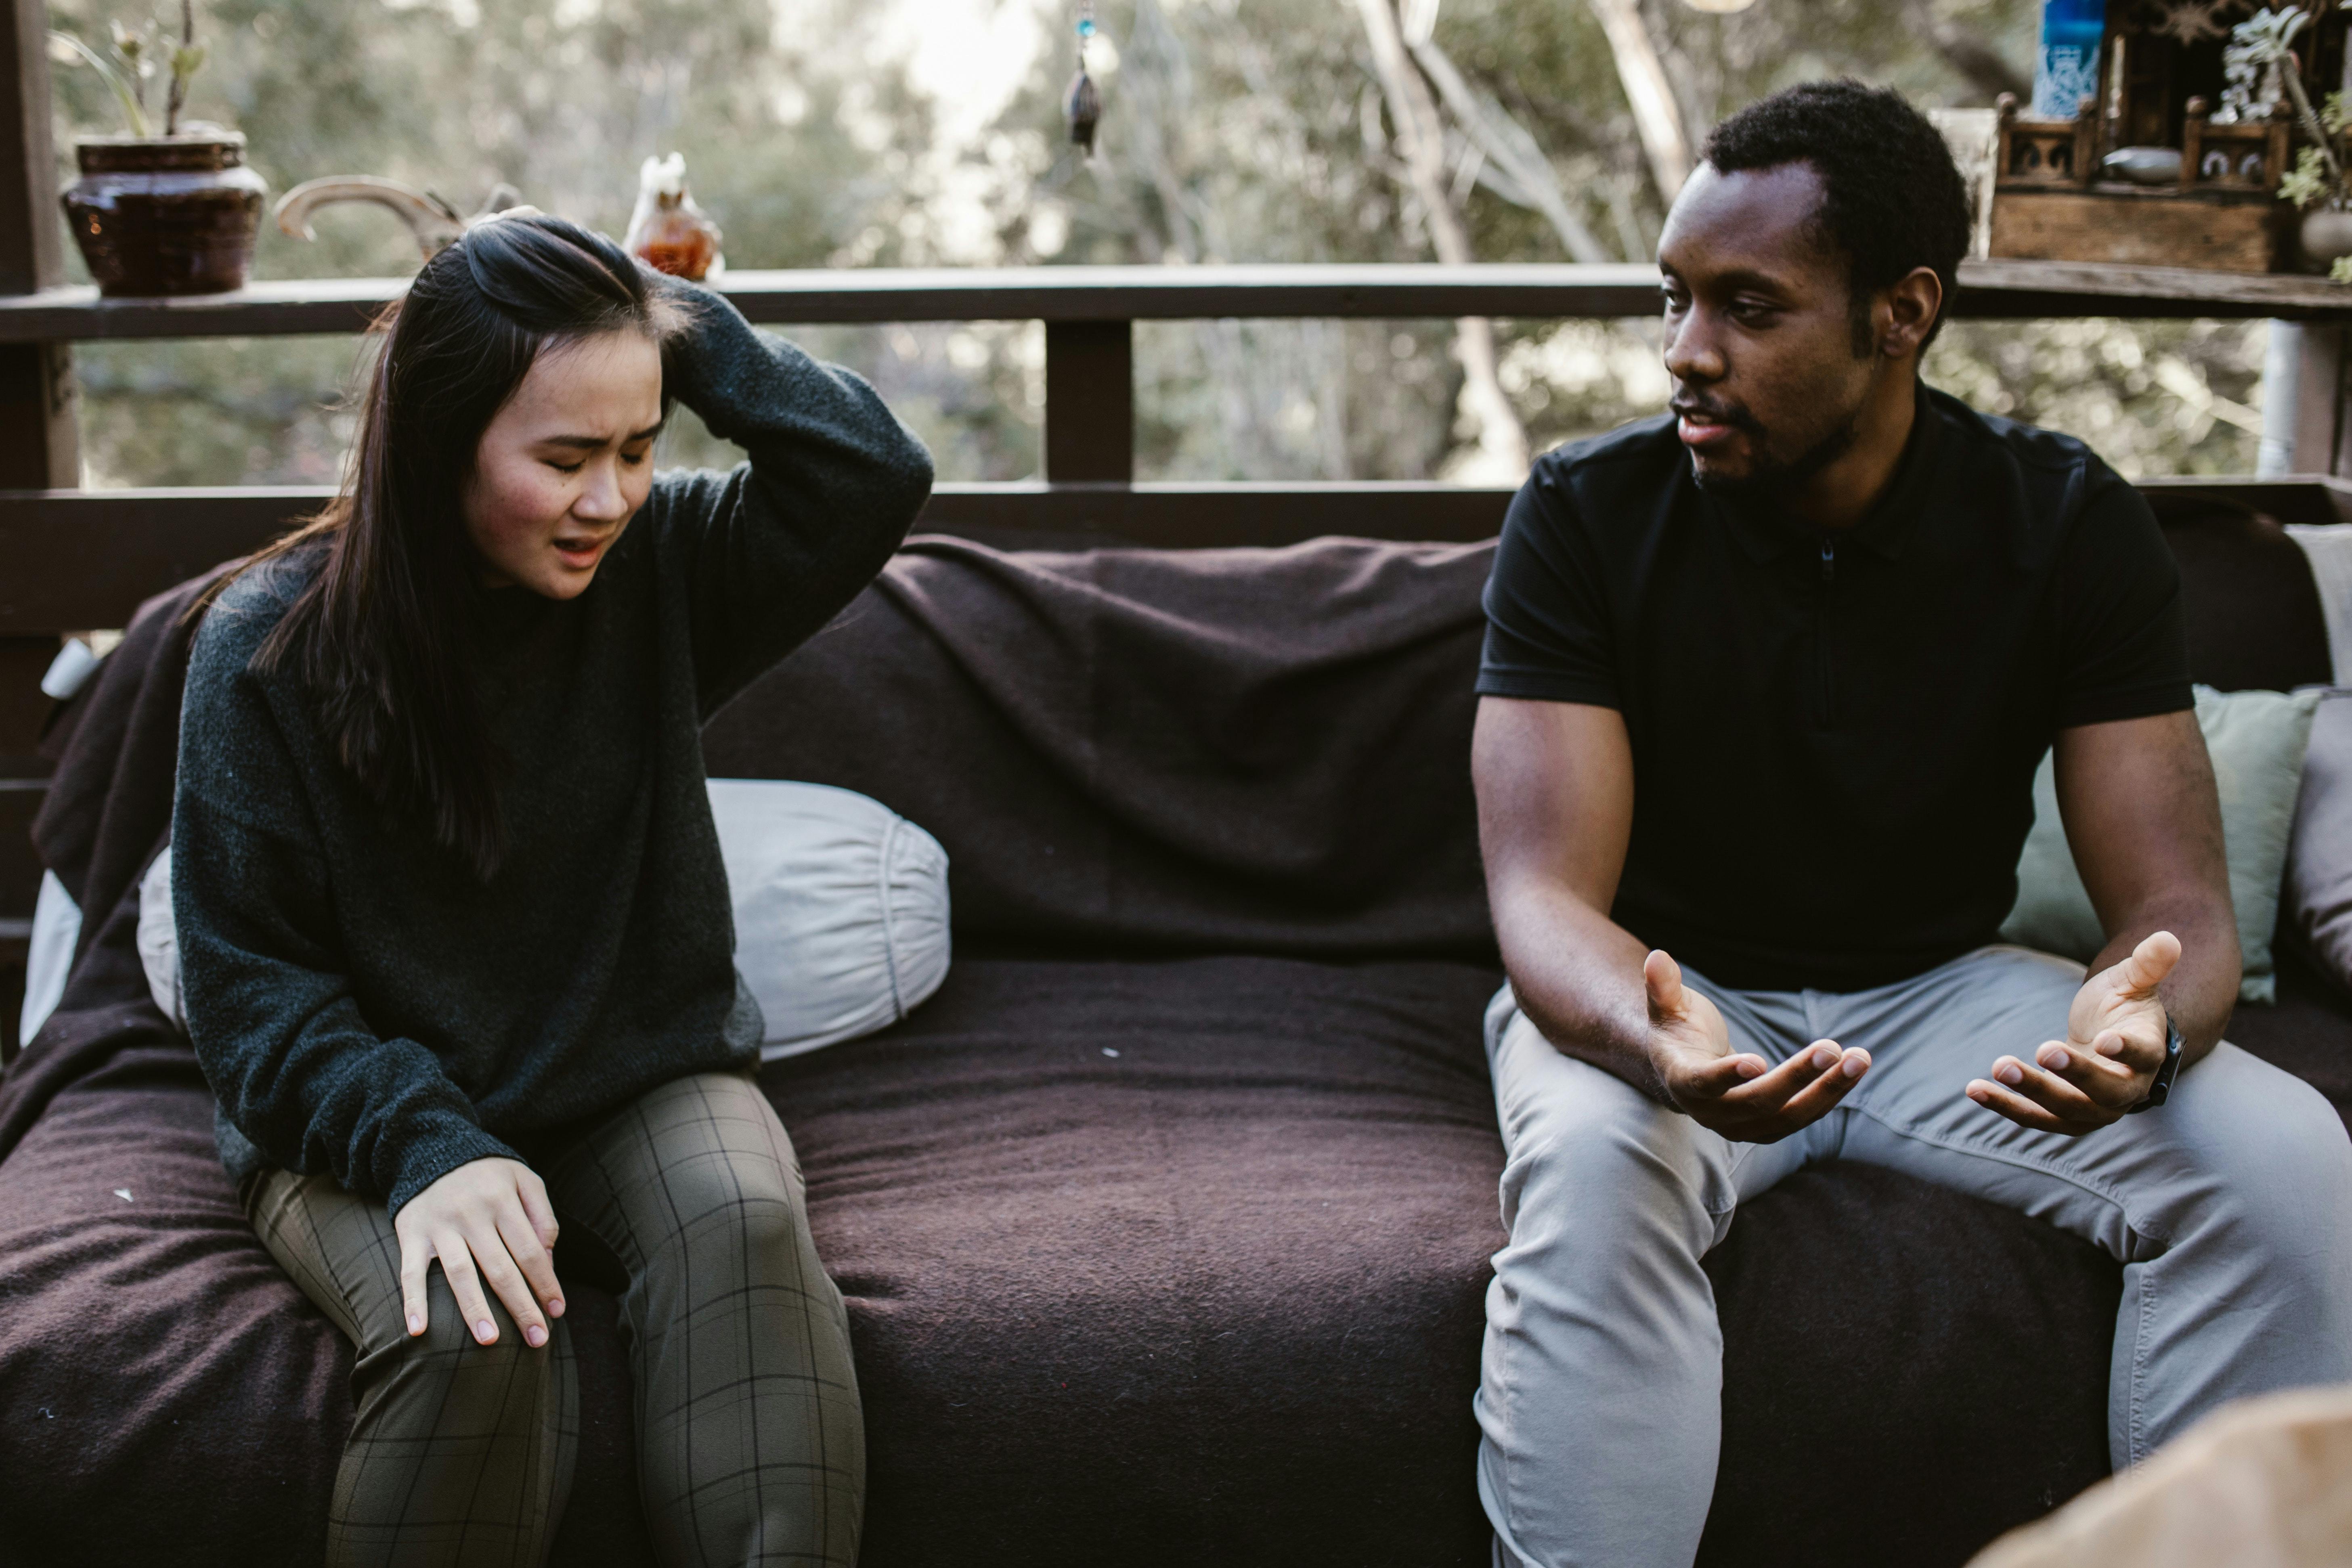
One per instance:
(361, 1004)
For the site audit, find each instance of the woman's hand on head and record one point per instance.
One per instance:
(490, 1223)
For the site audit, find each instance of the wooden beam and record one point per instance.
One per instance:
(23, 709)
(1998, 289)
(38, 446)
(78, 558)
(36, 413)
(32, 244)
(2315, 498)
(1089, 402)
(87, 558)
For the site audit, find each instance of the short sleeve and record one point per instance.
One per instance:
(1547, 628)
(2122, 638)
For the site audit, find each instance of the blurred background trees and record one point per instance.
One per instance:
(823, 132)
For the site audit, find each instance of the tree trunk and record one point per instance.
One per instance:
(1420, 141)
(1656, 113)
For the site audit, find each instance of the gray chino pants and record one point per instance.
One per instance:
(751, 1445)
(1600, 1399)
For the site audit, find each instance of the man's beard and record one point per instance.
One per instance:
(1772, 479)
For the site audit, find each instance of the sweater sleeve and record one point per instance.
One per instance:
(773, 550)
(276, 1028)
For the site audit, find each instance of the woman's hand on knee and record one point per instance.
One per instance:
(488, 1222)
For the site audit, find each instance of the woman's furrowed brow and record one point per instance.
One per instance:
(596, 443)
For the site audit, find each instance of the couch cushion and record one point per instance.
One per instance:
(1163, 1262)
(168, 1394)
(2247, 592)
(2308, 1031)
(1219, 1297)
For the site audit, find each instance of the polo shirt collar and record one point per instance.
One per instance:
(1767, 532)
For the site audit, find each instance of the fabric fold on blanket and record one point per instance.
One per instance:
(1123, 750)
(110, 803)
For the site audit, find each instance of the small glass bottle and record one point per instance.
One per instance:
(667, 232)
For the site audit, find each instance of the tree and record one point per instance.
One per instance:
(1235, 131)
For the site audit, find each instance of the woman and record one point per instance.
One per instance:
(455, 934)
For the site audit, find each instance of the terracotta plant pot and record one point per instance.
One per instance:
(2325, 234)
(165, 215)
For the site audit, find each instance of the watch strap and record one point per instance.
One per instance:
(2161, 1089)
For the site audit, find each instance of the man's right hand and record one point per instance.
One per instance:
(488, 1220)
(1742, 1097)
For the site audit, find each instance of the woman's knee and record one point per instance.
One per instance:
(735, 1204)
(448, 1340)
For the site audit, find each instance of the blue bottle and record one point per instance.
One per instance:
(2067, 72)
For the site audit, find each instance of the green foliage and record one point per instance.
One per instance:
(122, 75)
(1239, 131)
(2307, 182)
(806, 150)
(2340, 269)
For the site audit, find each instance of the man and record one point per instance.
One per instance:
(1765, 687)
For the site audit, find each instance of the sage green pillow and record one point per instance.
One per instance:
(2257, 741)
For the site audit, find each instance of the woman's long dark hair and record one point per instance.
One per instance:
(384, 636)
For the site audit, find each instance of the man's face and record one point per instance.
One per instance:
(1761, 337)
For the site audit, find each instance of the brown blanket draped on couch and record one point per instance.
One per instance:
(1163, 1225)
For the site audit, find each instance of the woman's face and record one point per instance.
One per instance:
(566, 463)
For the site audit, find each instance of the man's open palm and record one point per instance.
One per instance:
(1741, 1097)
(2113, 1044)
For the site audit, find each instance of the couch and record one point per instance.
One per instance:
(1164, 1225)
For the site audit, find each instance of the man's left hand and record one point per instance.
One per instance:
(2112, 1049)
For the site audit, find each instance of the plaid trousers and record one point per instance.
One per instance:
(751, 1445)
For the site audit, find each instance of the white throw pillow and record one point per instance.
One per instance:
(56, 926)
(158, 938)
(840, 911)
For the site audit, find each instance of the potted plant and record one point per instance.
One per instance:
(2262, 69)
(174, 214)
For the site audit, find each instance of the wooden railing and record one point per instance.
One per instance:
(78, 558)
(72, 560)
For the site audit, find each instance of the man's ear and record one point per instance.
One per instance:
(1913, 305)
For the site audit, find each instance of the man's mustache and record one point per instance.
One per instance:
(1710, 412)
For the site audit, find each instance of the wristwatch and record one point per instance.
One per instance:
(2161, 1089)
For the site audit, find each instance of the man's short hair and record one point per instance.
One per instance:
(1894, 201)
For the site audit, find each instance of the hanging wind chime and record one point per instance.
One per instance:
(1082, 104)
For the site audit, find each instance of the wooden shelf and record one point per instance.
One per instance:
(1993, 290)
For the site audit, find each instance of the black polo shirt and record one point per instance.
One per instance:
(1834, 736)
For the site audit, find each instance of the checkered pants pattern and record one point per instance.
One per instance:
(751, 1446)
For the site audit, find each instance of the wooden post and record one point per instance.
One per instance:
(1091, 402)
(2304, 404)
(37, 451)
(37, 448)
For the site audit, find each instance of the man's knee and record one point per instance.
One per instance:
(2276, 1151)
(1594, 1164)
